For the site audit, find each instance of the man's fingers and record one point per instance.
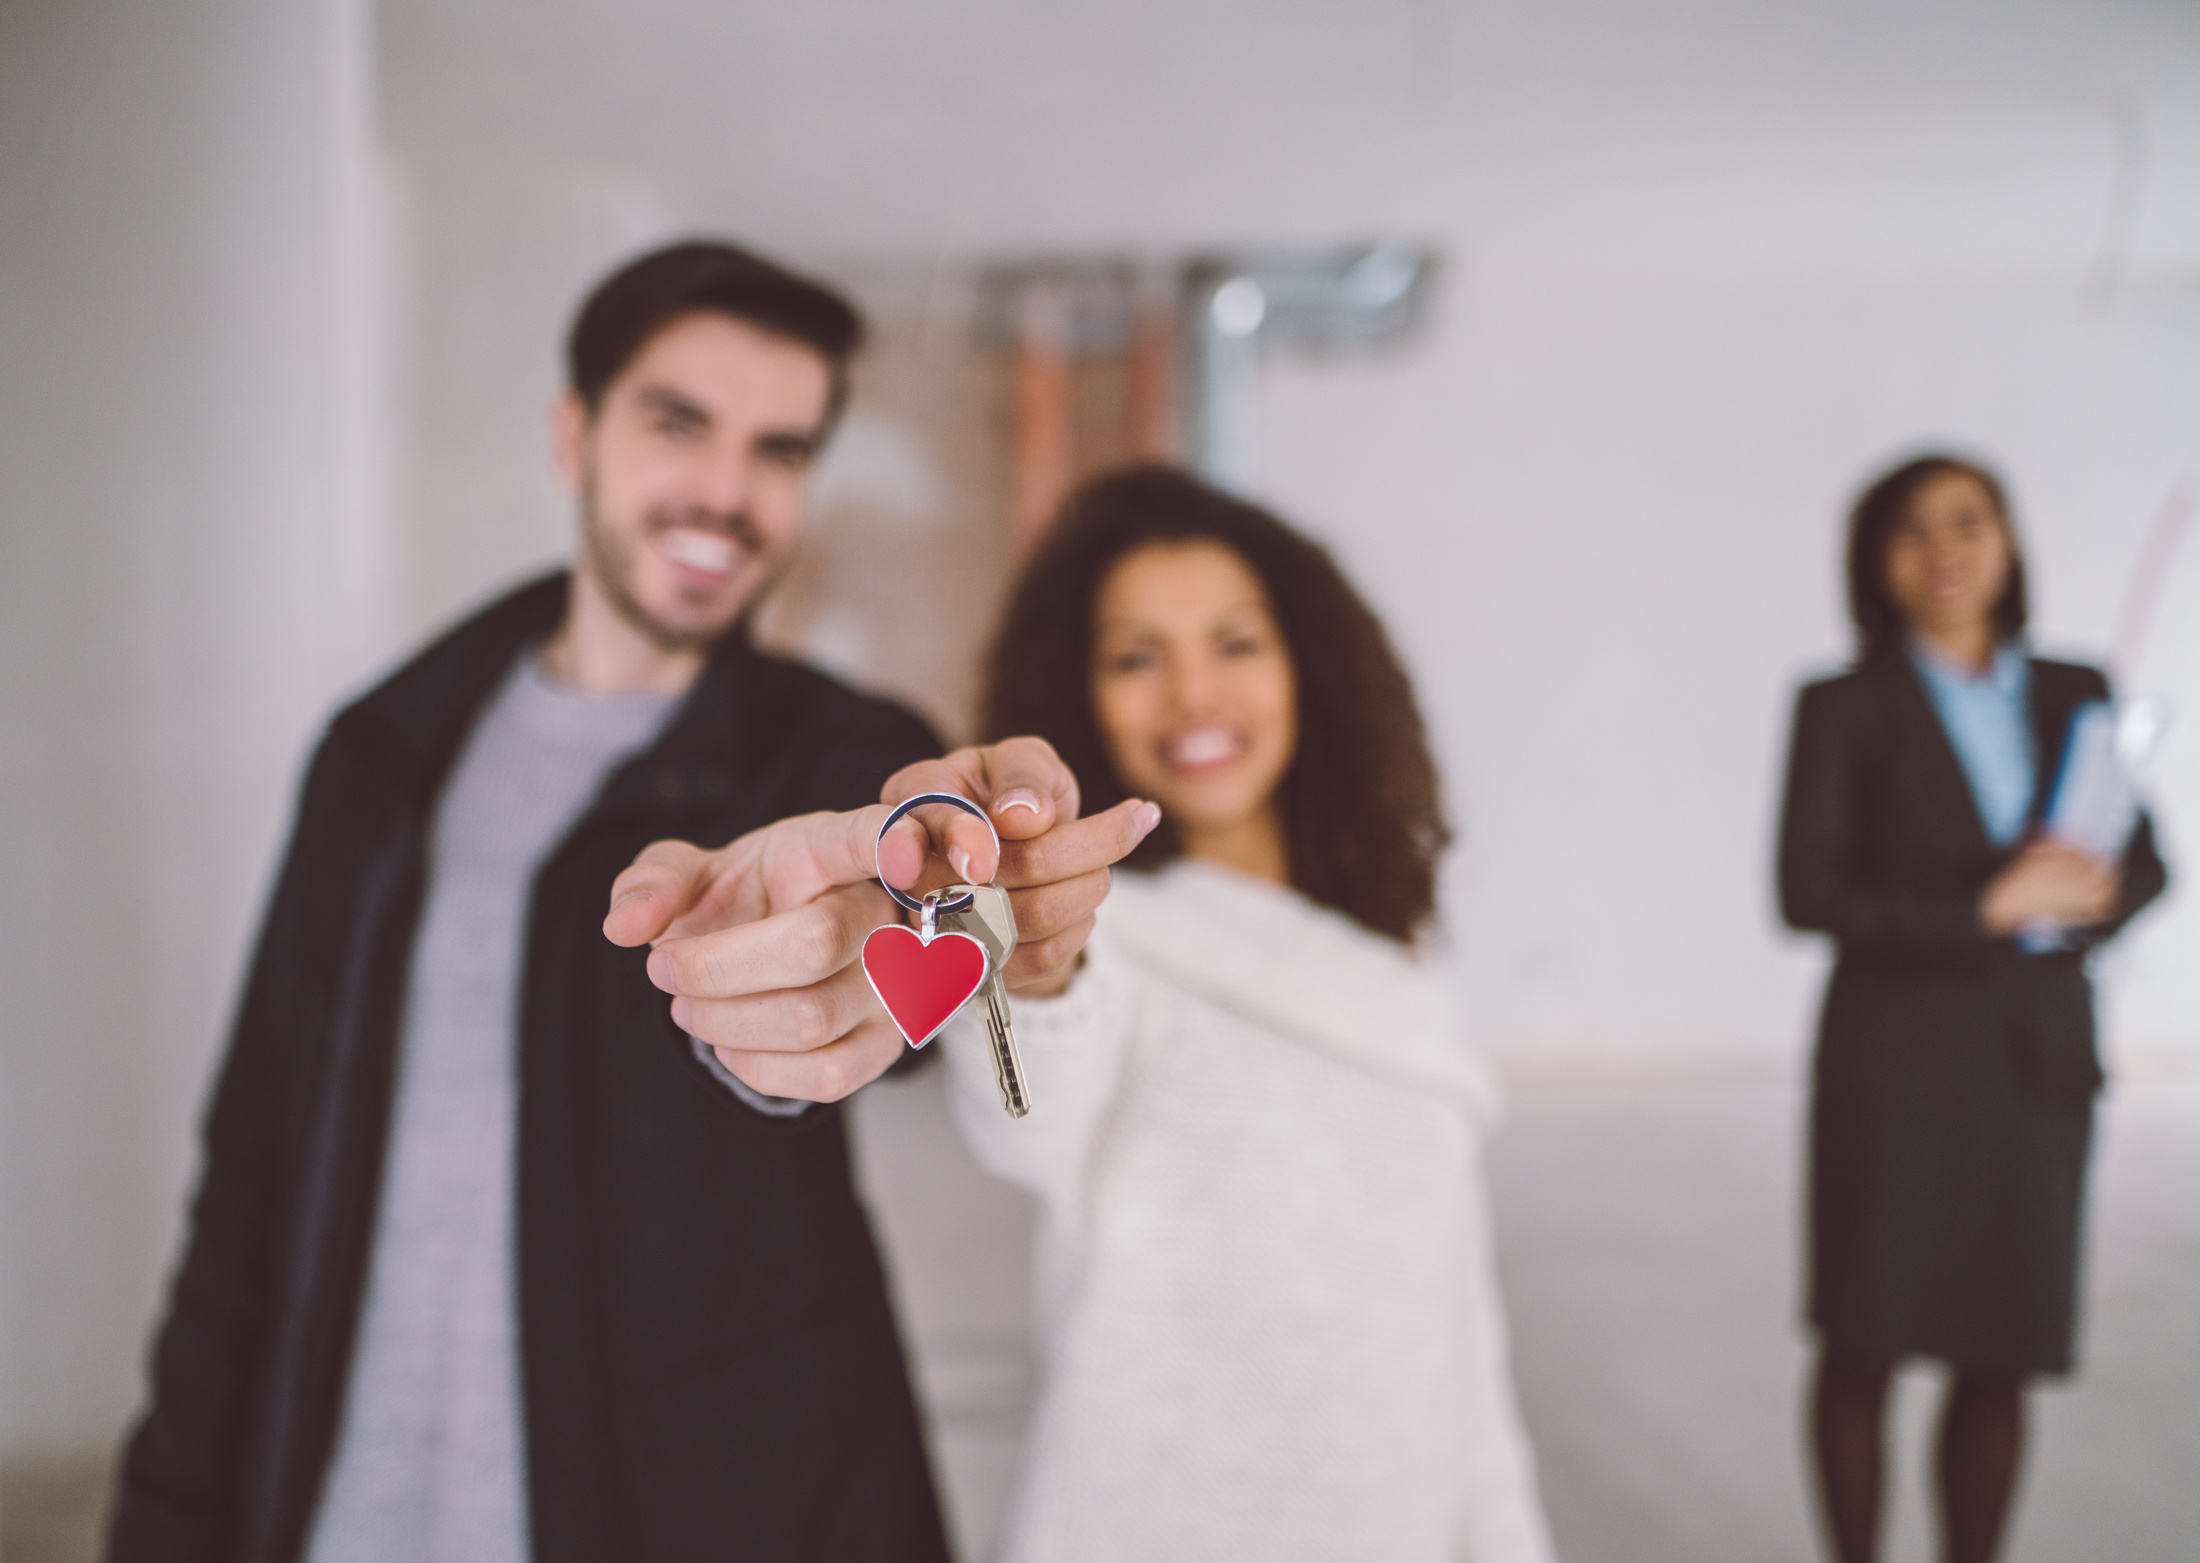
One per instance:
(787, 1020)
(789, 949)
(1079, 846)
(825, 1075)
(831, 849)
(657, 887)
(674, 889)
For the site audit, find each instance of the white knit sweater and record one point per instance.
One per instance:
(1269, 1324)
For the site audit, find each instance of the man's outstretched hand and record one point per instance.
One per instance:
(757, 942)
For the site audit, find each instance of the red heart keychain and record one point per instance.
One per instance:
(925, 975)
(922, 984)
(924, 978)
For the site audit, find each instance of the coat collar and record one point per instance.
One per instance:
(412, 726)
(2046, 706)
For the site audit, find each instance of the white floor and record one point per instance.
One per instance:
(1648, 1248)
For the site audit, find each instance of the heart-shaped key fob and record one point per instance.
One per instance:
(924, 983)
(925, 975)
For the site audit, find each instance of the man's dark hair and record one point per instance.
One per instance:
(1879, 510)
(645, 295)
(1361, 809)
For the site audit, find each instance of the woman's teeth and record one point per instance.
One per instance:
(699, 550)
(1202, 746)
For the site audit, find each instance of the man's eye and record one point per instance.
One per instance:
(673, 426)
(791, 454)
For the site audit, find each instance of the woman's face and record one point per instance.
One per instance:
(1948, 558)
(1193, 684)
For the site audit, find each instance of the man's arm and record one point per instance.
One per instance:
(757, 942)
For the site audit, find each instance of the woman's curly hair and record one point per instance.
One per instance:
(1360, 805)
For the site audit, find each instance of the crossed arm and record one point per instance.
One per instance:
(757, 942)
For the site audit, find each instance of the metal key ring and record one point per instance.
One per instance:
(910, 902)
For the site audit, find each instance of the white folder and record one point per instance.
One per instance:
(2095, 805)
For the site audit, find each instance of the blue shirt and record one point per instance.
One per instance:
(1988, 720)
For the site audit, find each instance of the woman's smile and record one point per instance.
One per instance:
(1203, 748)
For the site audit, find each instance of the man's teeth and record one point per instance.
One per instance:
(700, 550)
(1204, 747)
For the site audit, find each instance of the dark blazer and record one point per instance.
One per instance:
(1882, 847)
(709, 1363)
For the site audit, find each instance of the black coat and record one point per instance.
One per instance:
(1955, 1073)
(1882, 846)
(709, 1364)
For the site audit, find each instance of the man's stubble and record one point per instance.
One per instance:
(612, 557)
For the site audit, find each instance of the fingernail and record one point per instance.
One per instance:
(960, 860)
(1144, 818)
(1016, 798)
(631, 895)
(680, 1013)
(660, 969)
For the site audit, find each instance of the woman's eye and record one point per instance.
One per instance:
(1244, 646)
(1128, 662)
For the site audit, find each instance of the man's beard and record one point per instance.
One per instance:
(613, 559)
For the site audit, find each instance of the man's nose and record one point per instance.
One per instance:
(722, 482)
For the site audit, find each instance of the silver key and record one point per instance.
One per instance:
(992, 922)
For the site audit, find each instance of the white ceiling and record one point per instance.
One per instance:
(2042, 133)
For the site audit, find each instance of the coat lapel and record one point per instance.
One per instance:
(2050, 709)
(1920, 731)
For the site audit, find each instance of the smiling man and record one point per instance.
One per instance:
(491, 1258)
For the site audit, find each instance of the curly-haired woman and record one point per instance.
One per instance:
(1270, 1324)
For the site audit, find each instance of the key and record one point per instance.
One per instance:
(926, 986)
(992, 922)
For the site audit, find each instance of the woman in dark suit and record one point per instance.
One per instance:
(1955, 1070)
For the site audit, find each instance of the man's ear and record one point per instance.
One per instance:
(569, 422)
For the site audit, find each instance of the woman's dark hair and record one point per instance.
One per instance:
(1361, 809)
(651, 291)
(1872, 523)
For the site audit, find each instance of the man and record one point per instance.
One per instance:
(492, 1259)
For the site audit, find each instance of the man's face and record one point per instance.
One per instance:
(690, 473)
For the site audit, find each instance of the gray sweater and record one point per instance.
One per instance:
(430, 1465)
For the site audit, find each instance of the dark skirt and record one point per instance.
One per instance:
(1948, 1230)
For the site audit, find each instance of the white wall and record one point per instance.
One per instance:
(1604, 512)
(191, 567)
(1710, 263)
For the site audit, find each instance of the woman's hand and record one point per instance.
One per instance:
(759, 942)
(2049, 882)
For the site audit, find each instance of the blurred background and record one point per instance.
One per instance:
(281, 291)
